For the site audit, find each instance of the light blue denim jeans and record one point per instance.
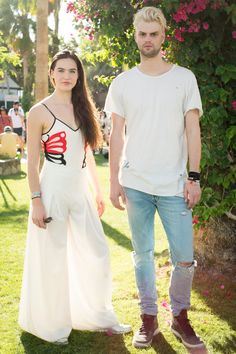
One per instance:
(177, 221)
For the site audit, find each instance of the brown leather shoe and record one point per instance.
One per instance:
(149, 328)
(182, 328)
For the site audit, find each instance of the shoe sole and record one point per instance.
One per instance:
(188, 345)
(146, 345)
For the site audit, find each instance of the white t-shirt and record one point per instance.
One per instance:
(15, 116)
(155, 152)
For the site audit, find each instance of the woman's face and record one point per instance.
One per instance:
(65, 74)
(3, 113)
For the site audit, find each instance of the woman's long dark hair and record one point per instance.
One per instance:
(84, 108)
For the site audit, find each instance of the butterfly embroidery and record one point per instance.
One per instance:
(54, 148)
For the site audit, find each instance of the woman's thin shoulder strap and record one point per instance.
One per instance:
(49, 110)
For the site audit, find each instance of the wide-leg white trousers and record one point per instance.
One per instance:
(67, 279)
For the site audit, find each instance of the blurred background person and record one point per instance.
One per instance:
(18, 122)
(5, 119)
(9, 143)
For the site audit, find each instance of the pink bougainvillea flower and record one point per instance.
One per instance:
(234, 34)
(178, 35)
(205, 25)
(222, 286)
(195, 220)
(194, 27)
(109, 332)
(165, 304)
(233, 103)
(205, 292)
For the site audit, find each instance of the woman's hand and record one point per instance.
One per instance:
(100, 205)
(38, 213)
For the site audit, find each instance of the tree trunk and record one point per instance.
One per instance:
(25, 67)
(56, 16)
(41, 84)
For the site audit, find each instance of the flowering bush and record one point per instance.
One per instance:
(202, 37)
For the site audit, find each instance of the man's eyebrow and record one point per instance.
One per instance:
(156, 32)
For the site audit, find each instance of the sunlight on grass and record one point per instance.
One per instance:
(212, 304)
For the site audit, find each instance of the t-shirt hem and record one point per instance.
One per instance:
(153, 191)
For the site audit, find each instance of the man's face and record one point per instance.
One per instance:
(149, 37)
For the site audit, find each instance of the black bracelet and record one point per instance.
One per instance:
(37, 196)
(193, 176)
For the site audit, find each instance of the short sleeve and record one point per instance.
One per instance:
(114, 99)
(192, 96)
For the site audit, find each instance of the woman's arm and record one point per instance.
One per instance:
(34, 132)
(92, 169)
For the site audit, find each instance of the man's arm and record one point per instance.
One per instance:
(192, 190)
(22, 117)
(116, 148)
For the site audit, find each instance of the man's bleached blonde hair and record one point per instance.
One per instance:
(150, 14)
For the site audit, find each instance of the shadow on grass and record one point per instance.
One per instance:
(20, 175)
(124, 241)
(5, 190)
(160, 345)
(15, 216)
(79, 343)
(219, 294)
(117, 236)
(228, 347)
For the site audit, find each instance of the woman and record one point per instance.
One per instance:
(66, 282)
(5, 119)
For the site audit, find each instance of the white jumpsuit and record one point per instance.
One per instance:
(67, 279)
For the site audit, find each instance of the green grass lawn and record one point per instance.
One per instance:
(213, 298)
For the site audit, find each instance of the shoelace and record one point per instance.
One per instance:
(147, 324)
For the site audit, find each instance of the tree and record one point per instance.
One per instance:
(8, 60)
(16, 25)
(41, 84)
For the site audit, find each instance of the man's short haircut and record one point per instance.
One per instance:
(150, 14)
(16, 102)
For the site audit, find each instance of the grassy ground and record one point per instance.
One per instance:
(213, 297)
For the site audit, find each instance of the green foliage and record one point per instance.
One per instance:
(211, 54)
(201, 36)
(8, 59)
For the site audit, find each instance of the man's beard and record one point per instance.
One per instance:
(151, 53)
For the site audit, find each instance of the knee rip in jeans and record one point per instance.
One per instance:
(187, 265)
(142, 258)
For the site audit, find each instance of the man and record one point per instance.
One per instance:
(159, 105)
(5, 119)
(17, 115)
(9, 142)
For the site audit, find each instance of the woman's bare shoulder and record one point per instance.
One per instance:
(37, 111)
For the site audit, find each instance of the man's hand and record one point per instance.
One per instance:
(117, 195)
(192, 193)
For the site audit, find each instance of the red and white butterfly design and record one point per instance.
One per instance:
(54, 147)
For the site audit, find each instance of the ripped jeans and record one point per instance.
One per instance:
(177, 221)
